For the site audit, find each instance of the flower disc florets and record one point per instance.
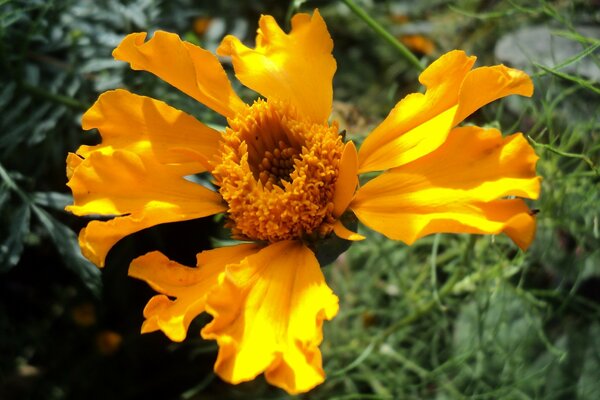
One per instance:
(277, 171)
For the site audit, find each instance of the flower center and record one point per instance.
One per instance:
(277, 171)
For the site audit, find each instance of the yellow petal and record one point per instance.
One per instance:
(421, 122)
(342, 232)
(73, 161)
(188, 286)
(189, 68)
(268, 314)
(148, 127)
(126, 183)
(347, 180)
(402, 127)
(172, 317)
(486, 84)
(455, 189)
(297, 67)
(143, 191)
(508, 216)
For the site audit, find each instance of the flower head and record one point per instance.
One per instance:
(276, 170)
(284, 178)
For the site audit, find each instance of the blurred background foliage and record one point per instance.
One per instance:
(452, 317)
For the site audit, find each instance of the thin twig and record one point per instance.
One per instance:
(384, 34)
(56, 98)
(554, 150)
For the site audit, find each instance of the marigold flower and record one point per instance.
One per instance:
(285, 177)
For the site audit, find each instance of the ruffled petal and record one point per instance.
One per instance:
(486, 84)
(456, 189)
(297, 67)
(73, 162)
(140, 191)
(347, 180)
(148, 127)
(400, 139)
(420, 123)
(188, 286)
(189, 68)
(268, 314)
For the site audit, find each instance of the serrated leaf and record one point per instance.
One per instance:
(66, 243)
(11, 248)
(100, 64)
(7, 94)
(55, 200)
(4, 194)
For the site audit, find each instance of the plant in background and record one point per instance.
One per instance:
(287, 181)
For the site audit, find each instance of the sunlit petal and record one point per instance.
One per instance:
(347, 180)
(297, 67)
(455, 189)
(189, 68)
(421, 122)
(139, 191)
(400, 138)
(268, 314)
(188, 286)
(486, 84)
(148, 127)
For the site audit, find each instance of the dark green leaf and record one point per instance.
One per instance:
(55, 200)
(66, 243)
(330, 248)
(12, 247)
(4, 194)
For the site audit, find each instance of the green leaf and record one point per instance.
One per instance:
(66, 243)
(55, 200)
(329, 249)
(11, 248)
(588, 385)
(580, 81)
(4, 194)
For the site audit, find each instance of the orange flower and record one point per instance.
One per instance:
(418, 43)
(284, 179)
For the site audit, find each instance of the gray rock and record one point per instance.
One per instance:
(539, 44)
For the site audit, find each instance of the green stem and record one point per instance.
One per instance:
(445, 290)
(421, 312)
(384, 34)
(554, 150)
(434, 253)
(57, 98)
